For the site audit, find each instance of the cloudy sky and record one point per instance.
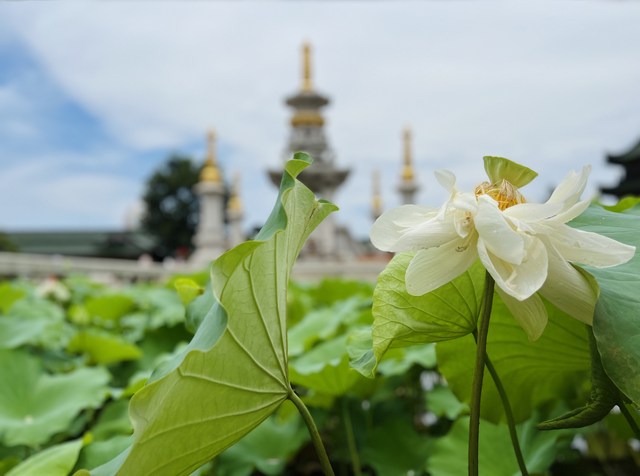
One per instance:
(95, 96)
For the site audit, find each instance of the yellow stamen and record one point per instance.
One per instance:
(502, 192)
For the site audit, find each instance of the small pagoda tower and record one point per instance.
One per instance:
(630, 183)
(308, 135)
(235, 214)
(210, 237)
(408, 185)
(376, 197)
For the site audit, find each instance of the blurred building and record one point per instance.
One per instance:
(116, 244)
(324, 176)
(221, 212)
(630, 182)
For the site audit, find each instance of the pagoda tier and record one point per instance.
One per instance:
(408, 185)
(308, 135)
(323, 177)
(630, 183)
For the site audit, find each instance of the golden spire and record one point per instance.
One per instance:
(306, 67)
(407, 170)
(376, 199)
(235, 204)
(210, 172)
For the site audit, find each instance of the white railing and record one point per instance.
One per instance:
(40, 265)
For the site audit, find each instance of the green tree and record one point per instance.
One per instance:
(6, 244)
(172, 206)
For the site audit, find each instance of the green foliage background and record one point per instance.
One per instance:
(203, 369)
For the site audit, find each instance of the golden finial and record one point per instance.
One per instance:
(235, 204)
(407, 170)
(210, 172)
(376, 199)
(306, 67)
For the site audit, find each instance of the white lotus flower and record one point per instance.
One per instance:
(526, 247)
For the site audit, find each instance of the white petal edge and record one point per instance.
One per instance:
(432, 268)
(391, 227)
(530, 313)
(446, 179)
(465, 201)
(519, 281)
(496, 233)
(571, 212)
(569, 289)
(533, 212)
(591, 249)
(569, 190)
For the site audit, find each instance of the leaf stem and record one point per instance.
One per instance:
(630, 420)
(351, 441)
(313, 431)
(478, 374)
(511, 423)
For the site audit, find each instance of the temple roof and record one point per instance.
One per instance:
(624, 188)
(632, 155)
(104, 244)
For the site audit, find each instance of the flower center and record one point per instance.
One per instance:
(502, 192)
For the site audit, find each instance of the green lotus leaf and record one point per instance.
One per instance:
(101, 451)
(8, 295)
(442, 402)
(628, 204)
(198, 309)
(112, 421)
(395, 449)
(267, 449)
(554, 367)
(163, 307)
(332, 290)
(399, 360)
(109, 307)
(616, 324)
(187, 289)
(35, 307)
(17, 331)
(324, 323)
(57, 460)
(44, 316)
(35, 405)
(233, 374)
(325, 368)
(604, 396)
(400, 319)
(103, 348)
(448, 455)
(499, 168)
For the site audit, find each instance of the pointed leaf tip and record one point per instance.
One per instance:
(299, 162)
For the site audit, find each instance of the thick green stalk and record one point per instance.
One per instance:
(630, 420)
(313, 431)
(511, 423)
(351, 441)
(478, 374)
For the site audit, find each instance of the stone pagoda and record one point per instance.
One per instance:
(376, 196)
(630, 183)
(235, 214)
(408, 185)
(308, 135)
(210, 241)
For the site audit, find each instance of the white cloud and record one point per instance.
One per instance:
(45, 193)
(549, 85)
